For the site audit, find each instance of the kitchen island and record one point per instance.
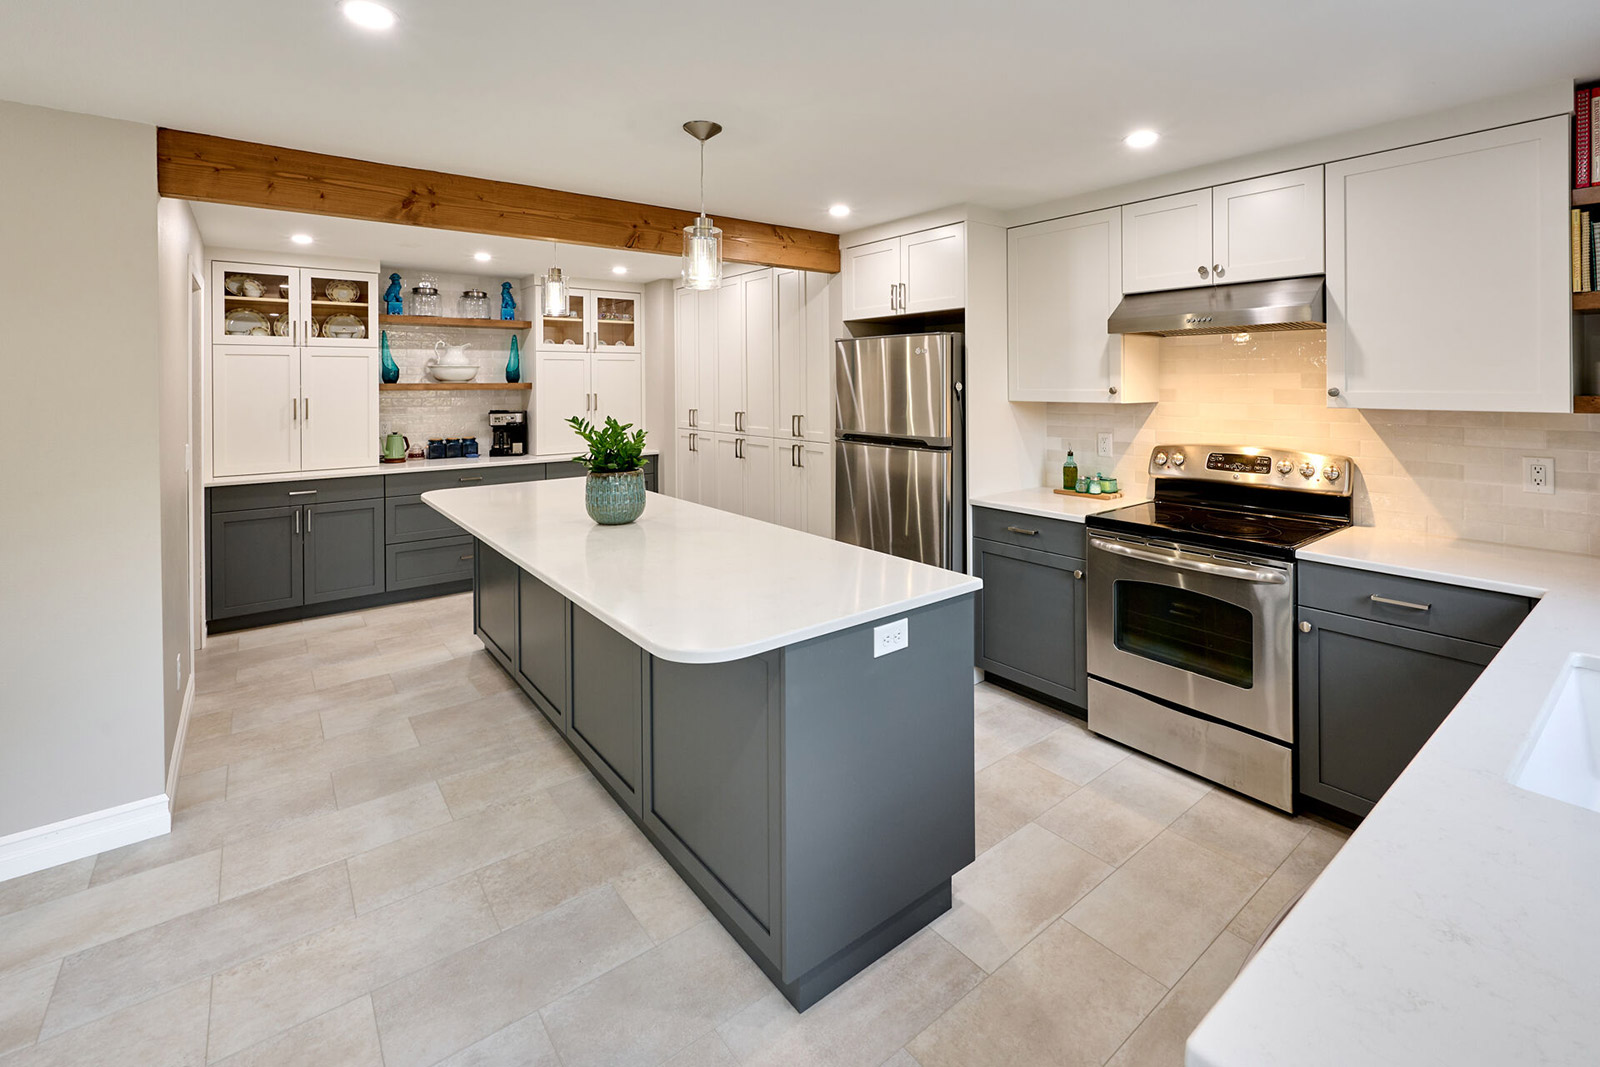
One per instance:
(787, 718)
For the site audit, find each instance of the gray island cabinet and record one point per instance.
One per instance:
(816, 796)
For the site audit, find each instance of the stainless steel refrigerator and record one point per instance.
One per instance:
(899, 431)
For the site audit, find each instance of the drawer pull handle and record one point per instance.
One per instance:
(474, 478)
(1376, 599)
(467, 556)
(302, 492)
(1020, 530)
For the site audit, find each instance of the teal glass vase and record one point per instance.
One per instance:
(613, 498)
(391, 370)
(514, 364)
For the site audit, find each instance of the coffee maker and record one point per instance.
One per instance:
(510, 429)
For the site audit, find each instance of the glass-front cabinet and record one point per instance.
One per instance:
(597, 320)
(616, 319)
(571, 329)
(340, 307)
(263, 304)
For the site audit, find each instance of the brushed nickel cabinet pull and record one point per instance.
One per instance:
(294, 409)
(302, 492)
(308, 520)
(467, 556)
(305, 407)
(297, 522)
(471, 478)
(1376, 599)
(1020, 530)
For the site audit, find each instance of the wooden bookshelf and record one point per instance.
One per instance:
(1587, 405)
(1586, 301)
(400, 387)
(436, 320)
(1586, 197)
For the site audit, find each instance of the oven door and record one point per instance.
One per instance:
(1206, 631)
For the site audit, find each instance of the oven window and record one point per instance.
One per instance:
(1186, 630)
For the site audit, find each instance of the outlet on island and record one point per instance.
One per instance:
(890, 637)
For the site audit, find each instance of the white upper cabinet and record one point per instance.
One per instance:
(589, 363)
(1267, 227)
(685, 357)
(616, 381)
(805, 356)
(760, 407)
(596, 319)
(338, 408)
(908, 275)
(255, 402)
(1065, 279)
(1449, 274)
(560, 391)
(1166, 243)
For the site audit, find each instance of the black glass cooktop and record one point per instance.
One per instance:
(1258, 532)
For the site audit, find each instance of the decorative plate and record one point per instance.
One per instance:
(232, 283)
(243, 322)
(342, 325)
(344, 291)
(280, 326)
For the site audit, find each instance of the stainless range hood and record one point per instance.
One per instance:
(1288, 304)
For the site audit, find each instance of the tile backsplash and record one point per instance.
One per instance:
(1450, 473)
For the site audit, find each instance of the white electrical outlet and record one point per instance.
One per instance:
(1538, 474)
(177, 671)
(890, 637)
(1103, 443)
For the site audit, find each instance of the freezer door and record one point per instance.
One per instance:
(895, 387)
(893, 499)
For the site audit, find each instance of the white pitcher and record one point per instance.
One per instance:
(454, 355)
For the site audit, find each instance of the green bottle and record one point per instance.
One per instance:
(1069, 473)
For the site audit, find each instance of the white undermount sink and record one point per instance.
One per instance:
(1563, 755)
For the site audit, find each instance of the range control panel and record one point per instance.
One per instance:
(1312, 472)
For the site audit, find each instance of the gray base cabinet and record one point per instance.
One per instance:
(494, 604)
(255, 561)
(344, 555)
(1381, 671)
(420, 564)
(606, 717)
(1031, 617)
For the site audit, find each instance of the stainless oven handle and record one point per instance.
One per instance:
(1244, 571)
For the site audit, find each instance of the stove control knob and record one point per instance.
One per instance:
(1161, 459)
(1331, 473)
(1177, 459)
(1308, 470)
(1284, 466)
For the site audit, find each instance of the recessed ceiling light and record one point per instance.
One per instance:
(301, 238)
(481, 257)
(367, 15)
(839, 211)
(1141, 138)
(619, 270)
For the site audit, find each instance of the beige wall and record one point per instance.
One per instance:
(1455, 474)
(81, 630)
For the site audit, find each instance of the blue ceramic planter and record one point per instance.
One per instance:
(614, 497)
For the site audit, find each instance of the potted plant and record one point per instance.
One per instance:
(614, 493)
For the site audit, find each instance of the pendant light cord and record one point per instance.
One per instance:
(702, 179)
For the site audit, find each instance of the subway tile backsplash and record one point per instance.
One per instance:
(1451, 473)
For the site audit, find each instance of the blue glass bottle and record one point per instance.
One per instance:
(391, 370)
(514, 364)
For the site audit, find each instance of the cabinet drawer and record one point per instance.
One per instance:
(565, 469)
(280, 494)
(1450, 610)
(419, 563)
(1029, 531)
(407, 518)
(427, 481)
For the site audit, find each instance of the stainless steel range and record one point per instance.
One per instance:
(1191, 605)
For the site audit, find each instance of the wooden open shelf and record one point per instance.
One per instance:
(436, 320)
(279, 300)
(1586, 197)
(1588, 405)
(399, 387)
(1586, 301)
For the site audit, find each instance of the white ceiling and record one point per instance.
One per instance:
(892, 106)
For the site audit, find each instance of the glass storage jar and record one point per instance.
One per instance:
(425, 296)
(474, 304)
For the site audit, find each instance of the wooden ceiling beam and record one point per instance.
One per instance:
(218, 170)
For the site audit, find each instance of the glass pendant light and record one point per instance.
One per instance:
(702, 242)
(554, 286)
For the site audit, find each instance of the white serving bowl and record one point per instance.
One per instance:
(446, 373)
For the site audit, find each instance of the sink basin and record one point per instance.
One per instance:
(1563, 755)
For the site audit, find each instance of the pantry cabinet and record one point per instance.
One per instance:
(745, 475)
(692, 467)
(1448, 274)
(1065, 279)
(805, 487)
(694, 357)
(805, 356)
(588, 363)
(746, 357)
(912, 274)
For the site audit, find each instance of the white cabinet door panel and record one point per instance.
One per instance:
(790, 287)
(255, 396)
(758, 469)
(616, 381)
(1167, 242)
(692, 463)
(561, 390)
(933, 269)
(1268, 227)
(871, 273)
(338, 395)
(805, 487)
(706, 394)
(726, 474)
(816, 414)
(760, 356)
(1448, 274)
(730, 387)
(685, 356)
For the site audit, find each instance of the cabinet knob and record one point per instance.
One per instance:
(1333, 391)
(1113, 390)
(1216, 268)
(1204, 273)
(1305, 627)
(1078, 575)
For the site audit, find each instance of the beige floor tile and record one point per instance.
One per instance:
(203, 727)
(709, 1051)
(1163, 907)
(27, 890)
(1242, 829)
(585, 803)
(662, 902)
(1124, 809)
(655, 1004)
(459, 1000)
(901, 1059)
(357, 783)
(550, 874)
(1005, 722)
(347, 1036)
(1159, 1040)
(23, 997)
(210, 826)
(168, 1031)
(73, 923)
(317, 758)
(1064, 1001)
(250, 716)
(522, 1044)
(530, 771)
(301, 981)
(202, 754)
(1012, 792)
(1015, 890)
(119, 973)
(446, 849)
(222, 642)
(213, 697)
(1075, 754)
(510, 708)
(332, 675)
(1292, 876)
(215, 659)
(864, 1021)
(253, 863)
(201, 788)
(478, 670)
(351, 715)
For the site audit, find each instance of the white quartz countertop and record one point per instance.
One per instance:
(410, 466)
(1048, 504)
(690, 583)
(1460, 925)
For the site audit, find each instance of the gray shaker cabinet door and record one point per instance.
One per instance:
(344, 550)
(256, 562)
(606, 715)
(543, 658)
(1031, 619)
(496, 602)
(1371, 694)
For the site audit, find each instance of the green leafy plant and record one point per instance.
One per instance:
(611, 447)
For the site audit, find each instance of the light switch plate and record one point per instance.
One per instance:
(890, 637)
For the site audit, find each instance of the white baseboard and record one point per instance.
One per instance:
(72, 839)
(177, 742)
